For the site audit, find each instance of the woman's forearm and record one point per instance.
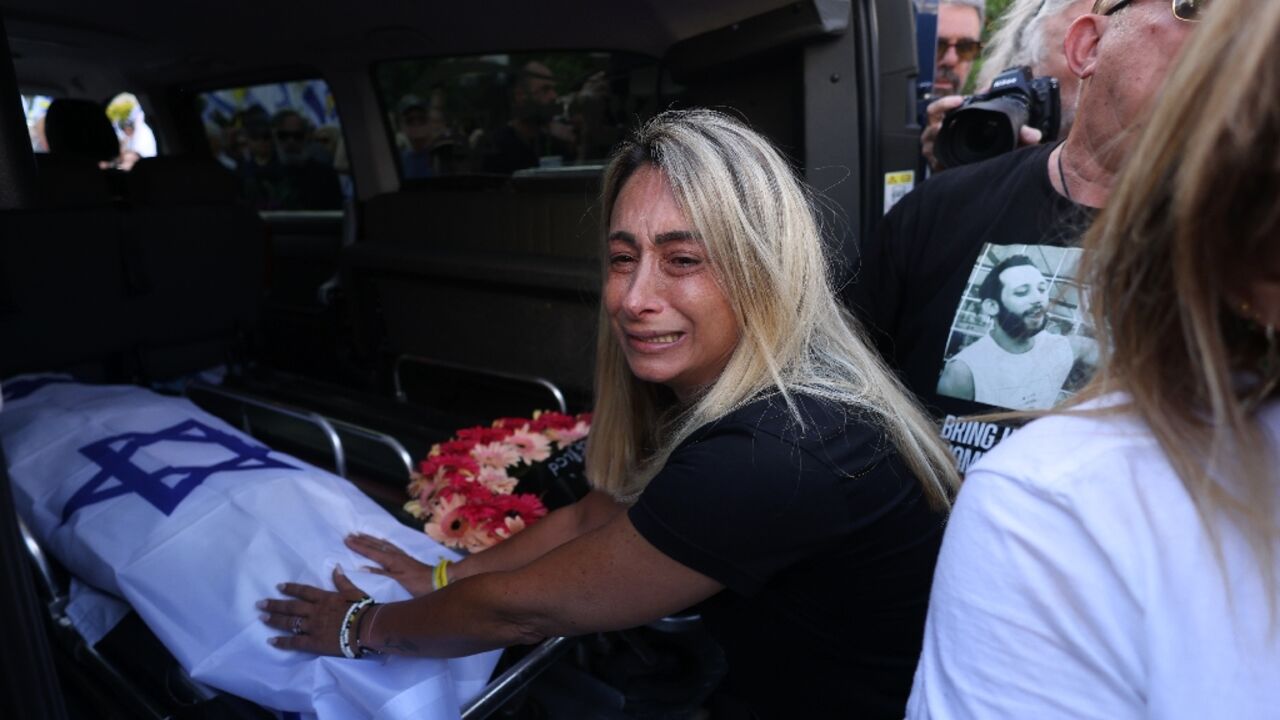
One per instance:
(606, 579)
(557, 528)
(471, 617)
(602, 579)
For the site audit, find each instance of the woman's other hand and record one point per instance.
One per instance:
(313, 618)
(393, 562)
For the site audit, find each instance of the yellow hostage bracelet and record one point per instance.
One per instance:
(440, 575)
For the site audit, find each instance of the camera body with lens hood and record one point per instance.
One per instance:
(987, 125)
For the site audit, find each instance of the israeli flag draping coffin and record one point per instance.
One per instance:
(191, 521)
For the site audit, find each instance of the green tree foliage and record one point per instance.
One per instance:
(995, 11)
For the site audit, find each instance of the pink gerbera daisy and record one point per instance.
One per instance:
(510, 526)
(495, 455)
(570, 435)
(496, 479)
(532, 447)
(448, 524)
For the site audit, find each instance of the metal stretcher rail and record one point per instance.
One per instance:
(502, 688)
(57, 601)
(554, 392)
(57, 606)
(516, 678)
(327, 425)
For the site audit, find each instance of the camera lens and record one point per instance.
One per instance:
(981, 130)
(987, 136)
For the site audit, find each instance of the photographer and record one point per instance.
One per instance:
(1031, 33)
(916, 287)
(959, 41)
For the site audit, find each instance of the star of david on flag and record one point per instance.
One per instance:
(120, 475)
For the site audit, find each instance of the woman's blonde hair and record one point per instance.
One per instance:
(758, 226)
(1193, 217)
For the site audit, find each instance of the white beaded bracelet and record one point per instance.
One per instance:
(344, 635)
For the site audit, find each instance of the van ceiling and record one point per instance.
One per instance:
(154, 42)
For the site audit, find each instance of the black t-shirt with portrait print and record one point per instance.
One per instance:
(917, 292)
(825, 546)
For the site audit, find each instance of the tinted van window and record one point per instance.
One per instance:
(283, 141)
(35, 107)
(137, 140)
(128, 120)
(512, 113)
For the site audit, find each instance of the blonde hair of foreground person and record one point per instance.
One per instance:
(761, 237)
(1177, 263)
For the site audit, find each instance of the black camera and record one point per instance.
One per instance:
(987, 125)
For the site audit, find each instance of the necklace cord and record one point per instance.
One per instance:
(1062, 176)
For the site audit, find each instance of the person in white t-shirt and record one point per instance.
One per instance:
(1121, 557)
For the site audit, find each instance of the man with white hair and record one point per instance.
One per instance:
(919, 276)
(1031, 33)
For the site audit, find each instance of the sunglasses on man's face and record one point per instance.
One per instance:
(1185, 10)
(287, 135)
(965, 49)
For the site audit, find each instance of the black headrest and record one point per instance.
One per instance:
(80, 127)
(182, 180)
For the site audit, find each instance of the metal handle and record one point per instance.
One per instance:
(514, 679)
(327, 424)
(396, 446)
(549, 386)
(57, 598)
(321, 422)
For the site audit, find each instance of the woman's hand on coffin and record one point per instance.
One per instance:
(313, 618)
(396, 564)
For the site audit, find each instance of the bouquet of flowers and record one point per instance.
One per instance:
(465, 488)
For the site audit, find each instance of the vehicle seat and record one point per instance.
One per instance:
(200, 256)
(64, 293)
(176, 180)
(490, 271)
(62, 279)
(67, 181)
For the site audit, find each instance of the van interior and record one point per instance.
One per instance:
(353, 228)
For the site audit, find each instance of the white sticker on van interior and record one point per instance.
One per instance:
(896, 185)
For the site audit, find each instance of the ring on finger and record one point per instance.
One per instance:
(297, 625)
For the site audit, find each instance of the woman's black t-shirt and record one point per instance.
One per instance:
(825, 546)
